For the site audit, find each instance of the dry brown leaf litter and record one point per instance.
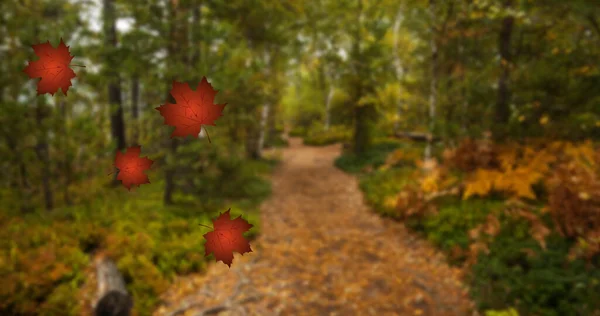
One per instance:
(323, 252)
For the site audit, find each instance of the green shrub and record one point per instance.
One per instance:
(320, 137)
(506, 312)
(518, 272)
(276, 141)
(298, 131)
(43, 255)
(374, 157)
(382, 186)
(450, 227)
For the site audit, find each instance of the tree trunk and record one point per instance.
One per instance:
(502, 111)
(328, 106)
(66, 160)
(135, 108)
(117, 125)
(112, 298)
(361, 129)
(398, 66)
(434, 79)
(42, 152)
(465, 88)
(362, 137)
(196, 33)
(252, 151)
(172, 37)
(263, 127)
(272, 123)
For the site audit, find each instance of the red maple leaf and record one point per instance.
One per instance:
(227, 237)
(131, 167)
(52, 67)
(192, 109)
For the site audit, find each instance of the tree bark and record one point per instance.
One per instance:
(263, 127)
(114, 87)
(252, 151)
(117, 125)
(112, 298)
(135, 108)
(173, 13)
(434, 78)
(362, 137)
(66, 161)
(42, 152)
(502, 110)
(328, 106)
(398, 67)
(464, 89)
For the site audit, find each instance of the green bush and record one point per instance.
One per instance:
(506, 312)
(519, 273)
(383, 185)
(374, 157)
(298, 131)
(43, 255)
(320, 137)
(276, 141)
(516, 274)
(450, 227)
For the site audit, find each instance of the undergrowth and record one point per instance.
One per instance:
(44, 255)
(522, 232)
(373, 158)
(321, 137)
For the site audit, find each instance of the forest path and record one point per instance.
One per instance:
(321, 251)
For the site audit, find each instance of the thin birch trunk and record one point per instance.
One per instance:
(398, 66)
(328, 106)
(263, 127)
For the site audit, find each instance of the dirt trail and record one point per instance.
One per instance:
(323, 252)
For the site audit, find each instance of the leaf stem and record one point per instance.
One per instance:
(205, 226)
(77, 65)
(208, 136)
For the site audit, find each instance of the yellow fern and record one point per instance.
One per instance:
(430, 183)
(517, 175)
(482, 183)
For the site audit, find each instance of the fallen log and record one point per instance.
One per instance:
(419, 137)
(112, 297)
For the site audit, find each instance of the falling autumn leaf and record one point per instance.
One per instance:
(131, 167)
(192, 108)
(227, 237)
(52, 67)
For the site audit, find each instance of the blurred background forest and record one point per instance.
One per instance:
(474, 122)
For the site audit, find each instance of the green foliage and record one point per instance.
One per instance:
(450, 227)
(382, 186)
(298, 131)
(374, 157)
(506, 312)
(322, 137)
(518, 273)
(44, 255)
(276, 141)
